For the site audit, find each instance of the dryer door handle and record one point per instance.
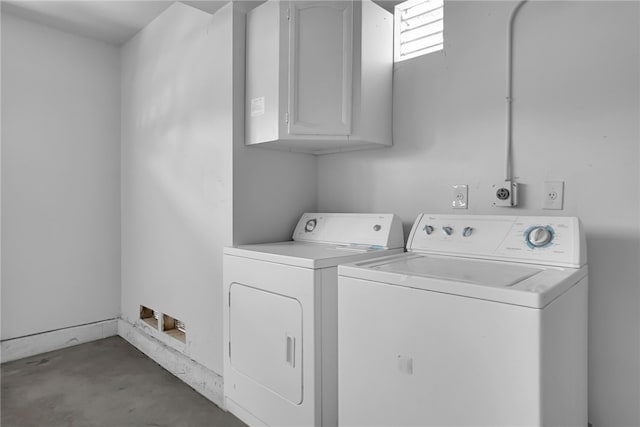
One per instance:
(291, 351)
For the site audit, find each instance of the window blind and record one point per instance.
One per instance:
(419, 28)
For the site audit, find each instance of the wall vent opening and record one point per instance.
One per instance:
(174, 328)
(149, 316)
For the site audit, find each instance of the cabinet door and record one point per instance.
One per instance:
(320, 67)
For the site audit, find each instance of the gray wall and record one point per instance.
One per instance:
(576, 115)
(60, 179)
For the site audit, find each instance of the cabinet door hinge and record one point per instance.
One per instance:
(229, 349)
(288, 14)
(286, 117)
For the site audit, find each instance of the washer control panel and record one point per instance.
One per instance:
(539, 240)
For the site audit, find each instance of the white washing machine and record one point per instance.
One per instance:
(483, 322)
(280, 314)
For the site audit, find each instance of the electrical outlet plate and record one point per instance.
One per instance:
(553, 195)
(505, 194)
(459, 196)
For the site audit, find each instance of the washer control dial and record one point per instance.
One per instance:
(539, 236)
(466, 232)
(428, 229)
(447, 230)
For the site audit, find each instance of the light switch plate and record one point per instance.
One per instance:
(459, 196)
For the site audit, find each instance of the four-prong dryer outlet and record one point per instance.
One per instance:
(280, 317)
(482, 322)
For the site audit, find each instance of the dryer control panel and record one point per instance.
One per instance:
(538, 240)
(368, 231)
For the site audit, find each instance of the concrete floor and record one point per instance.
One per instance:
(104, 383)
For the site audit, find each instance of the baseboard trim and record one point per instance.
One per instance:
(201, 379)
(18, 348)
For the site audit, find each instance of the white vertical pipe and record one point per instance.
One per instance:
(508, 154)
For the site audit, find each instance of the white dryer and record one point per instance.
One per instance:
(280, 317)
(483, 322)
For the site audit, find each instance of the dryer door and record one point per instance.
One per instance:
(269, 326)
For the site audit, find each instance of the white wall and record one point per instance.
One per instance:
(189, 185)
(271, 188)
(576, 115)
(176, 173)
(60, 179)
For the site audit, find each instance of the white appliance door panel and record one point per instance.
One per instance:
(283, 286)
(415, 357)
(270, 325)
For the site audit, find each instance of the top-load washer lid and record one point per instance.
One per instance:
(505, 282)
(453, 269)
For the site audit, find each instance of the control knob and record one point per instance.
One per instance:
(428, 229)
(539, 236)
(466, 232)
(447, 230)
(310, 225)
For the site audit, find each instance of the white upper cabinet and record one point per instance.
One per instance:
(319, 76)
(321, 48)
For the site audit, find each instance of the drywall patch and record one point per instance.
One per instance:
(18, 348)
(204, 381)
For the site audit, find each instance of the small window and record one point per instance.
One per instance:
(418, 28)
